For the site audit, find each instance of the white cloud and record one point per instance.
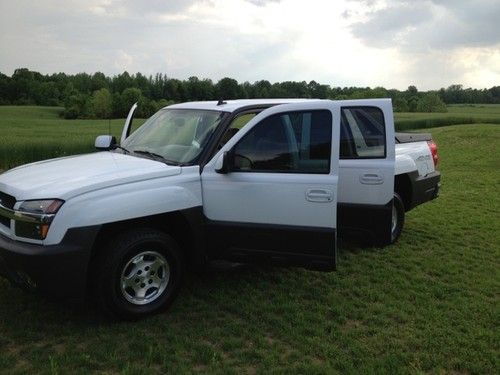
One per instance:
(430, 43)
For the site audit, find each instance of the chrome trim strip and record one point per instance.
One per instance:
(27, 217)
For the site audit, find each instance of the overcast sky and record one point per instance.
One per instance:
(390, 43)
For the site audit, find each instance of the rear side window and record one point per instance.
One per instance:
(362, 133)
(293, 142)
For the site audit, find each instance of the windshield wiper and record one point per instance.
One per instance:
(121, 148)
(155, 156)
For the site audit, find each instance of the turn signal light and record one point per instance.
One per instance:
(434, 152)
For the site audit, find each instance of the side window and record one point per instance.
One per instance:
(362, 133)
(293, 142)
(235, 126)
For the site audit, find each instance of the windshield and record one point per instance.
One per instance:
(177, 135)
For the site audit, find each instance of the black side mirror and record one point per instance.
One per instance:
(105, 142)
(224, 163)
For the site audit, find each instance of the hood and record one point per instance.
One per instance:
(67, 177)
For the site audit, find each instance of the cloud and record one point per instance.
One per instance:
(430, 24)
(262, 3)
(437, 42)
(430, 43)
(134, 8)
(392, 24)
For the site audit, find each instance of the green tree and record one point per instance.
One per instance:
(99, 81)
(317, 90)
(400, 105)
(412, 91)
(163, 103)
(227, 88)
(124, 101)
(22, 89)
(78, 105)
(199, 89)
(262, 89)
(102, 103)
(122, 82)
(413, 104)
(431, 102)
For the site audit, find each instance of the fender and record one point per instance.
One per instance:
(128, 201)
(404, 164)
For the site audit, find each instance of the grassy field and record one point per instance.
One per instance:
(36, 133)
(456, 115)
(428, 304)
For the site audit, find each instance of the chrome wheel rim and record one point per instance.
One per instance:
(394, 221)
(144, 278)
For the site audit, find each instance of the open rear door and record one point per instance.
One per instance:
(367, 158)
(270, 194)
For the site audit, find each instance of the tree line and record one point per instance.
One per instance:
(99, 96)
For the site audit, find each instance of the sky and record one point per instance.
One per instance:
(389, 43)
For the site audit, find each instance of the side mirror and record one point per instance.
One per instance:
(223, 163)
(105, 142)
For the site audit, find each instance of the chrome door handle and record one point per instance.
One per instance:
(319, 195)
(371, 179)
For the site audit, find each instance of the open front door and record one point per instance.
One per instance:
(128, 123)
(275, 199)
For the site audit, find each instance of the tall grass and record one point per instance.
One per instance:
(456, 115)
(29, 134)
(426, 123)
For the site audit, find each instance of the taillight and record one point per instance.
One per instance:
(434, 152)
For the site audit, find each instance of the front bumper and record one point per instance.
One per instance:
(56, 270)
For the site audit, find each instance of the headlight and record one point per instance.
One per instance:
(33, 218)
(46, 206)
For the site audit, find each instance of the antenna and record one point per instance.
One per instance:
(109, 125)
(221, 102)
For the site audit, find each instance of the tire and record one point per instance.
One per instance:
(139, 273)
(398, 217)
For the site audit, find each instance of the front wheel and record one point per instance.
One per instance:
(138, 274)
(398, 217)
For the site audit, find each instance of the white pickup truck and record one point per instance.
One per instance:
(270, 181)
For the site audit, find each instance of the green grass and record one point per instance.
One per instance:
(456, 115)
(428, 304)
(36, 133)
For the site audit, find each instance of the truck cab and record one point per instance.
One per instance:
(264, 181)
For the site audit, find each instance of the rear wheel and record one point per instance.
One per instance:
(398, 217)
(138, 274)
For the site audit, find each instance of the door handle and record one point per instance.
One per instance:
(371, 179)
(319, 195)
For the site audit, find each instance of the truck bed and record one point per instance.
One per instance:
(412, 137)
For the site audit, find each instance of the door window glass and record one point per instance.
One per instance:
(235, 126)
(293, 142)
(362, 133)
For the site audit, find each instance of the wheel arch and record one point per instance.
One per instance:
(185, 227)
(403, 186)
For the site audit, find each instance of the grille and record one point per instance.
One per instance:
(7, 201)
